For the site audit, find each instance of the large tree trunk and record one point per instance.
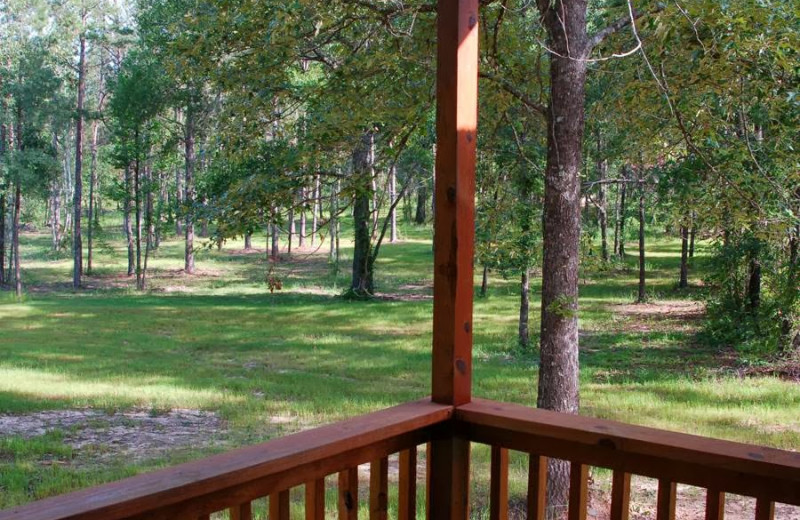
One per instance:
(558, 374)
(248, 241)
(77, 206)
(189, 194)
(524, 307)
(642, 272)
(362, 280)
(684, 281)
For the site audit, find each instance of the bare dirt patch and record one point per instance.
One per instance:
(661, 315)
(136, 435)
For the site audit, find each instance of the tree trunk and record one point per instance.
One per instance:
(92, 193)
(15, 240)
(2, 229)
(302, 235)
(77, 207)
(754, 284)
(622, 211)
(189, 194)
(422, 199)
(138, 223)
(127, 223)
(316, 210)
(485, 281)
(642, 274)
(692, 235)
(616, 220)
(524, 306)
(684, 282)
(362, 280)
(558, 373)
(333, 224)
(248, 241)
(602, 205)
(291, 229)
(55, 215)
(392, 196)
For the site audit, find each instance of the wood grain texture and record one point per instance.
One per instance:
(454, 227)
(242, 512)
(348, 494)
(449, 487)
(537, 487)
(665, 505)
(315, 499)
(407, 485)
(715, 505)
(216, 483)
(765, 509)
(709, 463)
(379, 489)
(498, 490)
(578, 491)
(620, 495)
(279, 505)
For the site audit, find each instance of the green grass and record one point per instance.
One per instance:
(220, 341)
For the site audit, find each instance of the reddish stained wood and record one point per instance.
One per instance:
(242, 512)
(765, 509)
(498, 492)
(348, 494)
(578, 491)
(428, 481)
(709, 463)
(204, 517)
(279, 505)
(667, 493)
(379, 489)
(214, 483)
(537, 487)
(456, 139)
(621, 496)
(449, 487)
(715, 505)
(407, 485)
(315, 499)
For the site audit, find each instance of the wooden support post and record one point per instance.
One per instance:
(621, 495)
(279, 505)
(498, 493)
(379, 489)
(765, 509)
(242, 512)
(348, 494)
(407, 485)
(715, 505)
(667, 493)
(315, 499)
(578, 491)
(537, 487)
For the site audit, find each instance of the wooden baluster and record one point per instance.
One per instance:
(578, 491)
(765, 509)
(315, 499)
(379, 489)
(242, 512)
(348, 494)
(620, 496)
(667, 492)
(498, 494)
(715, 505)
(279, 505)
(537, 487)
(407, 486)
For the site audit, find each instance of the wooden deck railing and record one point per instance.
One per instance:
(234, 480)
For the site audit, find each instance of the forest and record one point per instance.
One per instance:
(205, 204)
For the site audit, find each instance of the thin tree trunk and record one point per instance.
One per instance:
(622, 211)
(15, 240)
(692, 235)
(754, 284)
(524, 307)
(316, 210)
(392, 196)
(602, 168)
(138, 223)
(485, 281)
(362, 279)
(291, 230)
(642, 273)
(152, 236)
(275, 232)
(92, 190)
(55, 215)
(77, 200)
(422, 201)
(127, 222)
(684, 280)
(189, 194)
(2, 227)
(302, 235)
(616, 219)
(333, 225)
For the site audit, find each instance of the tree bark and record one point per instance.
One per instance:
(392, 196)
(90, 224)
(362, 279)
(422, 198)
(77, 200)
(15, 240)
(189, 194)
(248, 241)
(291, 229)
(622, 211)
(302, 235)
(565, 22)
(524, 307)
(642, 273)
(316, 210)
(616, 219)
(2, 228)
(333, 225)
(692, 235)
(138, 215)
(127, 223)
(602, 204)
(485, 281)
(684, 281)
(754, 284)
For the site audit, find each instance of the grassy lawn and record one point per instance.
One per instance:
(268, 364)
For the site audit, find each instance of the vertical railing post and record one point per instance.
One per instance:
(454, 236)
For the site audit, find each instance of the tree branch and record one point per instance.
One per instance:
(514, 91)
(598, 37)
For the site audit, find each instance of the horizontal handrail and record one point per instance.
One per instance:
(756, 471)
(203, 486)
